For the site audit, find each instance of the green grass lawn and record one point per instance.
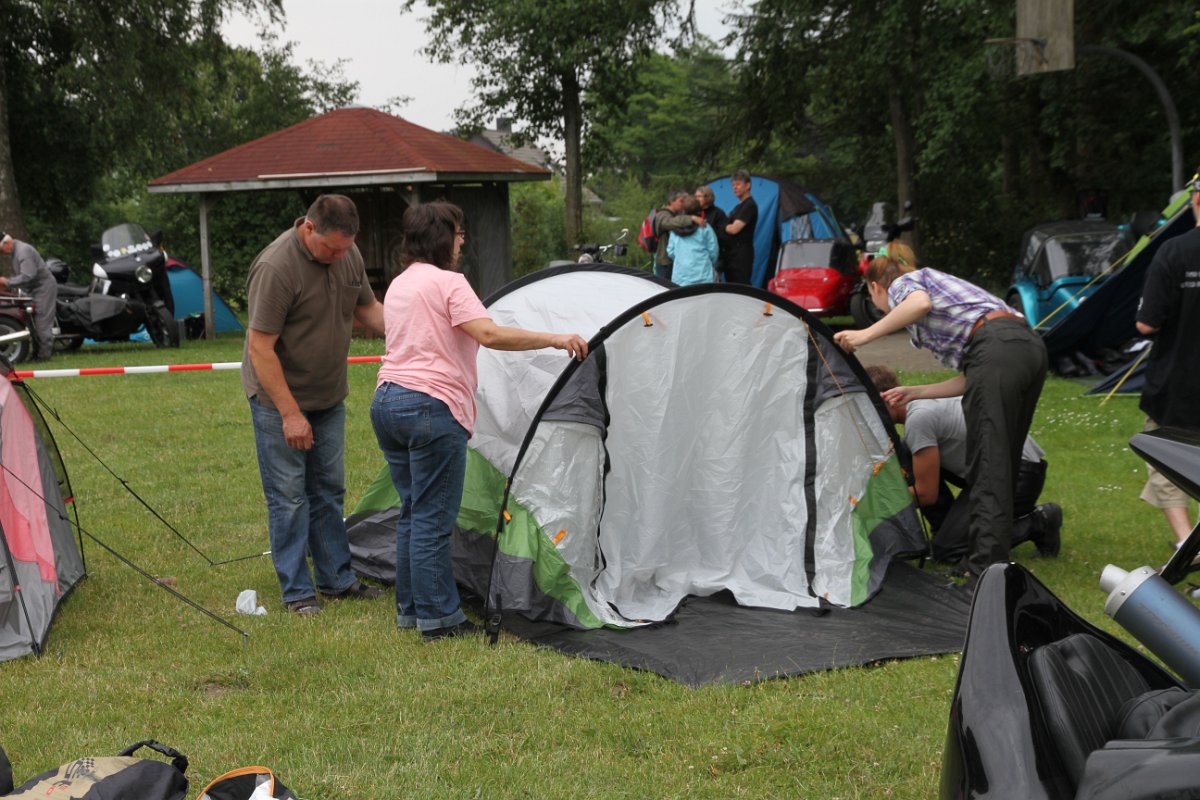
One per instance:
(344, 705)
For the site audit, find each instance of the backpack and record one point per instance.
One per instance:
(119, 777)
(647, 235)
(247, 783)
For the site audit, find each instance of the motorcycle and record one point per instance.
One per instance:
(1048, 705)
(877, 232)
(594, 253)
(129, 290)
(16, 327)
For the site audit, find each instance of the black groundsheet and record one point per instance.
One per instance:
(714, 640)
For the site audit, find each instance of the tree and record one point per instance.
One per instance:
(899, 100)
(92, 119)
(676, 119)
(553, 65)
(237, 95)
(84, 88)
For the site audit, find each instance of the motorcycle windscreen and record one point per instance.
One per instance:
(1175, 452)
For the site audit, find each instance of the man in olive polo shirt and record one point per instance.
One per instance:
(304, 290)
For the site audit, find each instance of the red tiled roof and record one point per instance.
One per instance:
(347, 142)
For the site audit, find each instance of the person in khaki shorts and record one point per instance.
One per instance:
(1161, 493)
(1169, 311)
(304, 291)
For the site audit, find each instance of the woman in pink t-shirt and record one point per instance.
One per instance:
(424, 408)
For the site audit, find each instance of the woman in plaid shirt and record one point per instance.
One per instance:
(1001, 367)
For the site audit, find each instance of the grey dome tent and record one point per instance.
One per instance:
(40, 560)
(714, 444)
(713, 440)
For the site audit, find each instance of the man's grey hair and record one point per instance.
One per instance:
(741, 176)
(333, 212)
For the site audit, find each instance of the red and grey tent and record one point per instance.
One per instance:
(40, 559)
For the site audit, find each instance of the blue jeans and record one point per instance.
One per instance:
(305, 493)
(426, 452)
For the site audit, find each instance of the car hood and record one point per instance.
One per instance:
(813, 288)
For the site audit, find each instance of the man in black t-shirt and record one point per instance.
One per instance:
(740, 230)
(1170, 311)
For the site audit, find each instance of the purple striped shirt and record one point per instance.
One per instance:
(957, 306)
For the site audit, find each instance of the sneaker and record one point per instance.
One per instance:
(357, 591)
(307, 607)
(1049, 523)
(464, 628)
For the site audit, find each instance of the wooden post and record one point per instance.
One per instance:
(210, 328)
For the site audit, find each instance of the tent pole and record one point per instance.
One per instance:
(210, 331)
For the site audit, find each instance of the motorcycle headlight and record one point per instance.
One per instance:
(98, 272)
(143, 273)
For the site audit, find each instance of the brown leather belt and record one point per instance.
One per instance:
(997, 314)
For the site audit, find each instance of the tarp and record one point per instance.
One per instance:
(40, 560)
(188, 291)
(785, 212)
(715, 443)
(1129, 378)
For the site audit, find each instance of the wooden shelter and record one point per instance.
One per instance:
(385, 164)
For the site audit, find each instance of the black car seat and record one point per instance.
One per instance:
(1081, 686)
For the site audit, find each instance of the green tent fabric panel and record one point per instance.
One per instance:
(483, 489)
(523, 538)
(886, 495)
(380, 495)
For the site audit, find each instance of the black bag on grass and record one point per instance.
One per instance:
(119, 777)
(5, 773)
(247, 783)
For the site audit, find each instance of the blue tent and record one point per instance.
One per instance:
(188, 291)
(785, 212)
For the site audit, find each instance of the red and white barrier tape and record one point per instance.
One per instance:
(74, 373)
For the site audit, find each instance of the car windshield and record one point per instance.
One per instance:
(1078, 256)
(835, 254)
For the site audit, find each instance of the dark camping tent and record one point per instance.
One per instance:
(1128, 378)
(1106, 320)
(716, 462)
(188, 290)
(785, 212)
(40, 560)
